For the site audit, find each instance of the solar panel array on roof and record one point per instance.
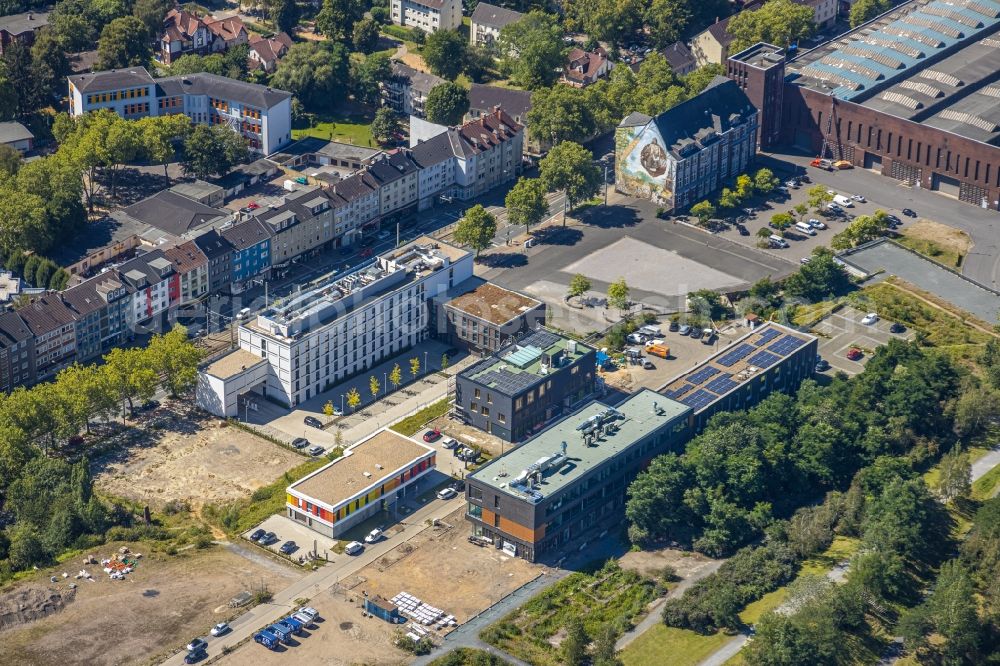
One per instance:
(540, 339)
(764, 359)
(786, 345)
(678, 392)
(722, 385)
(699, 399)
(735, 356)
(702, 375)
(768, 335)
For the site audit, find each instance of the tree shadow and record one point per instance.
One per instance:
(609, 217)
(503, 260)
(558, 236)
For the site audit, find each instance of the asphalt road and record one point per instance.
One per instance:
(983, 225)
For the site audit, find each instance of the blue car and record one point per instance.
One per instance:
(283, 633)
(288, 626)
(296, 624)
(267, 639)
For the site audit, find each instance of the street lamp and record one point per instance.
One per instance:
(341, 403)
(425, 363)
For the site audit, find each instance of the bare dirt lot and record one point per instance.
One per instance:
(441, 567)
(651, 563)
(947, 237)
(196, 459)
(165, 602)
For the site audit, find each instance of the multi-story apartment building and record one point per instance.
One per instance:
(340, 327)
(469, 160)
(406, 91)
(154, 284)
(191, 265)
(251, 242)
(21, 28)
(261, 114)
(427, 15)
(488, 317)
(488, 20)
(219, 255)
(525, 384)
(569, 482)
(53, 326)
(300, 222)
(396, 175)
(356, 204)
(684, 154)
(17, 352)
(102, 308)
(185, 33)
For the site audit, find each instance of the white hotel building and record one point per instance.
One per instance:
(261, 114)
(338, 328)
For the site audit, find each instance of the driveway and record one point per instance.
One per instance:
(843, 329)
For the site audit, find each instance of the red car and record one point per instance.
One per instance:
(253, 205)
(854, 354)
(432, 435)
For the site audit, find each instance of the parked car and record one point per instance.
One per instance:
(743, 230)
(313, 422)
(908, 212)
(684, 330)
(374, 536)
(834, 208)
(805, 260)
(268, 538)
(309, 612)
(267, 639)
(897, 328)
(354, 548)
(197, 644)
(635, 338)
(816, 224)
(648, 365)
(696, 333)
(432, 435)
(288, 547)
(257, 534)
(304, 618)
(854, 354)
(859, 198)
(869, 319)
(822, 365)
(315, 450)
(893, 219)
(288, 627)
(195, 657)
(449, 443)
(446, 493)
(220, 628)
(295, 623)
(674, 325)
(300, 442)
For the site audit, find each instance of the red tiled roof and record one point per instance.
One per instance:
(227, 28)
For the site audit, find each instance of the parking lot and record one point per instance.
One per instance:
(286, 529)
(840, 331)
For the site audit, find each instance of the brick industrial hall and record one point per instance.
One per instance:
(913, 94)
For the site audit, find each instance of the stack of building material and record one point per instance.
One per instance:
(425, 614)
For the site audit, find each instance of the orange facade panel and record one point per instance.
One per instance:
(516, 530)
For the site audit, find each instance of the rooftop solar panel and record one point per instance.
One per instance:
(768, 335)
(764, 359)
(721, 385)
(699, 399)
(702, 375)
(736, 355)
(786, 345)
(679, 391)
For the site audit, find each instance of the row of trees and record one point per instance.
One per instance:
(745, 187)
(49, 500)
(748, 467)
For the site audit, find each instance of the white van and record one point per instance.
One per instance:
(651, 331)
(841, 200)
(805, 228)
(354, 548)
(244, 313)
(777, 240)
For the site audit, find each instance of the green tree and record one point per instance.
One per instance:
(157, 136)
(656, 510)
(975, 410)
(764, 181)
(862, 229)
(618, 295)
(365, 35)
(175, 359)
(818, 197)
(863, 11)
(132, 377)
(704, 211)
(286, 14)
(374, 386)
(213, 150)
(328, 410)
(764, 233)
(531, 50)
(124, 42)
(49, 66)
(604, 647)
(315, 72)
(414, 366)
(353, 398)
(151, 13)
(729, 199)
(385, 125)
(367, 75)
(396, 376)
(476, 228)
(444, 53)
(781, 221)
(336, 18)
(956, 475)
(445, 361)
(526, 203)
(667, 21)
(744, 186)
(780, 22)
(18, 66)
(578, 286)
(26, 548)
(570, 167)
(574, 646)
(447, 103)
(562, 113)
(801, 210)
(819, 278)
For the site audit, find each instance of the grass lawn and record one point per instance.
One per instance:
(807, 315)
(945, 245)
(943, 329)
(411, 425)
(841, 549)
(661, 644)
(354, 129)
(610, 595)
(933, 476)
(984, 488)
